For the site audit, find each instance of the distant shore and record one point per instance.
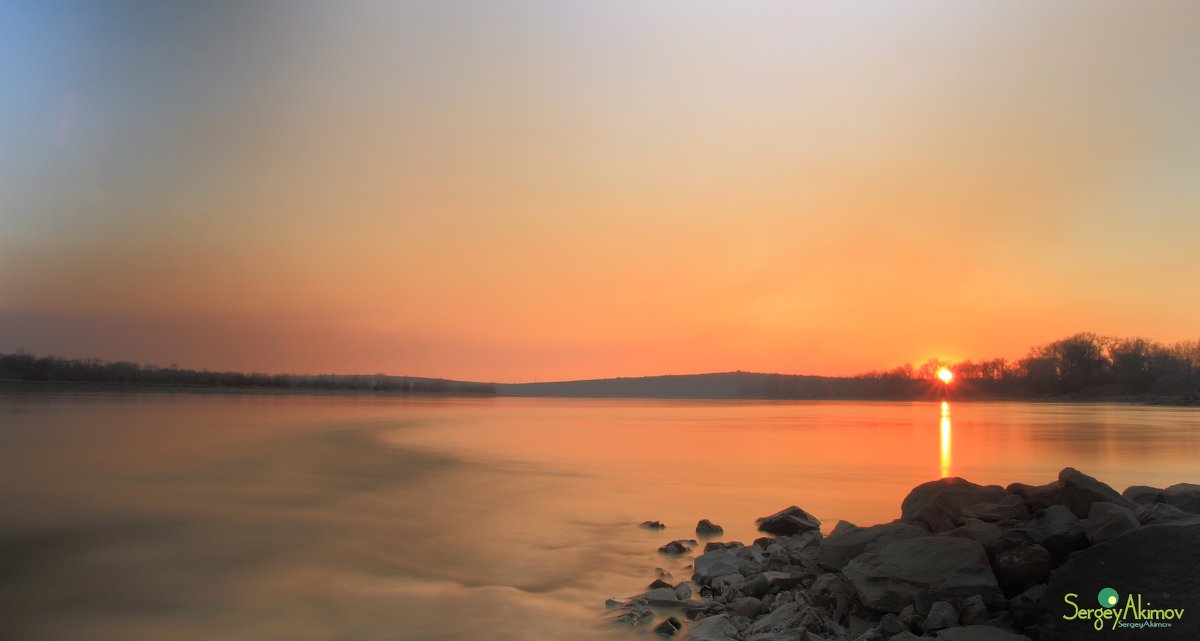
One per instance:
(126, 387)
(964, 562)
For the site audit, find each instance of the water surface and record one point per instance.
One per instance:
(202, 516)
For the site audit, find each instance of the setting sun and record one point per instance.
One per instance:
(945, 374)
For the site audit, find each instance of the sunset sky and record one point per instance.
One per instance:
(513, 191)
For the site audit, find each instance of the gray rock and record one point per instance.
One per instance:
(675, 548)
(714, 628)
(1185, 496)
(974, 611)
(941, 615)
(716, 563)
(663, 597)
(1056, 529)
(669, 627)
(1028, 606)
(747, 606)
(786, 522)
(1008, 507)
(1106, 521)
(847, 541)
(1160, 562)
(683, 592)
(782, 635)
(659, 583)
(1038, 496)
(939, 504)
(1079, 491)
(905, 635)
(1143, 494)
(938, 566)
(1161, 513)
(1021, 567)
(979, 633)
(652, 525)
(706, 528)
(986, 534)
(793, 616)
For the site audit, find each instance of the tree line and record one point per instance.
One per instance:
(22, 366)
(1085, 364)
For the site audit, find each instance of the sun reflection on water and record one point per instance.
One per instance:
(945, 460)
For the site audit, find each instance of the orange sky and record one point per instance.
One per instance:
(521, 190)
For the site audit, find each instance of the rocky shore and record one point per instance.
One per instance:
(1073, 559)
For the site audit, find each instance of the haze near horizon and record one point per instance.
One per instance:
(509, 191)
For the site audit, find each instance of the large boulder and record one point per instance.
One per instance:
(789, 521)
(1143, 494)
(711, 565)
(1009, 507)
(1020, 568)
(940, 504)
(1159, 563)
(979, 633)
(847, 541)
(937, 567)
(1079, 491)
(1056, 529)
(714, 628)
(1106, 521)
(1037, 496)
(707, 528)
(986, 534)
(1185, 496)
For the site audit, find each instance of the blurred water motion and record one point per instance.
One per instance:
(132, 517)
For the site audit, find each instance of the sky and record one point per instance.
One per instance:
(517, 191)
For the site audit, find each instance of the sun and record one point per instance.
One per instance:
(945, 374)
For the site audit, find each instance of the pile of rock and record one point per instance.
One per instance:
(964, 562)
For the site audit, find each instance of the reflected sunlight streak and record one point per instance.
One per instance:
(945, 460)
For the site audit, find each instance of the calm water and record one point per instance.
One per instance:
(193, 516)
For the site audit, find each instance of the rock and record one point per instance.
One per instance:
(847, 541)
(747, 606)
(1021, 567)
(1079, 491)
(939, 504)
(1162, 513)
(986, 534)
(974, 611)
(683, 592)
(939, 566)
(905, 635)
(792, 616)
(669, 627)
(1026, 608)
(634, 617)
(979, 633)
(612, 604)
(674, 548)
(663, 597)
(652, 525)
(1106, 521)
(714, 628)
(706, 528)
(1143, 494)
(716, 563)
(1056, 529)
(786, 522)
(1185, 496)
(756, 585)
(1038, 497)
(941, 615)
(659, 583)
(1008, 507)
(1158, 562)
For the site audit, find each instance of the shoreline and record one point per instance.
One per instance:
(964, 562)
(122, 387)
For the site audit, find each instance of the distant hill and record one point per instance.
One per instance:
(726, 385)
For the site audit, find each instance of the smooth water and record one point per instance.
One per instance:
(251, 517)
